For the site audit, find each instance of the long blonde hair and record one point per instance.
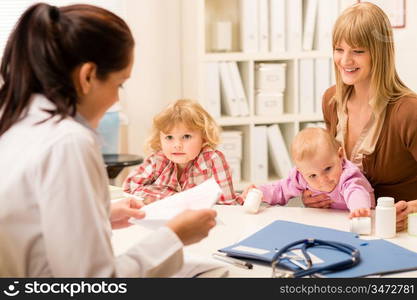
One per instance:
(365, 25)
(189, 113)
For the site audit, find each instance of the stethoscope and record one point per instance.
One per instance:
(308, 269)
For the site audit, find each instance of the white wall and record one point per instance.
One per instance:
(155, 79)
(406, 46)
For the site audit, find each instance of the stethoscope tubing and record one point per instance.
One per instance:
(308, 243)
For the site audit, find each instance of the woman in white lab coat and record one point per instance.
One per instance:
(60, 72)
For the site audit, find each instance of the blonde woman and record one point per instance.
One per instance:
(370, 111)
(183, 141)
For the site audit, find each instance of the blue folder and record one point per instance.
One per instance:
(377, 256)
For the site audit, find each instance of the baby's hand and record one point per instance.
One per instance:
(360, 212)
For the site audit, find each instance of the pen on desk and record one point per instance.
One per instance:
(231, 260)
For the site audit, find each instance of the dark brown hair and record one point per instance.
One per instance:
(46, 46)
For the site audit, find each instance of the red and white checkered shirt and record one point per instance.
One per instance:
(156, 177)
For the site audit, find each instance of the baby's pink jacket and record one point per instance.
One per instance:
(353, 190)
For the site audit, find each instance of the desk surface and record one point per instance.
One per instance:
(237, 225)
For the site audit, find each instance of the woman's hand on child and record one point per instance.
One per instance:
(319, 201)
(122, 210)
(360, 212)
(191, 226)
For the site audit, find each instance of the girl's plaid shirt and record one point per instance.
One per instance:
(156, 177)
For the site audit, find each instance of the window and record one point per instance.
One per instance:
(10, 11)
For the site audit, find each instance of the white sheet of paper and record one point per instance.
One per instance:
(159, 212)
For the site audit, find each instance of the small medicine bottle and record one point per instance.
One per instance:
(253, 201)
(385, 218)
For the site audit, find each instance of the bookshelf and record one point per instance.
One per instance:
(198, 17)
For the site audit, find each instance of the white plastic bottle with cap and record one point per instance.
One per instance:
(385, 218)
(253, 201)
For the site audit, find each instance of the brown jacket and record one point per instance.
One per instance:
(392, 167)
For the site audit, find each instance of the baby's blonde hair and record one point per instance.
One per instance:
(309, 141)
(189, 113)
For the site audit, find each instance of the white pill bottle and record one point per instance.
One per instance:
(253, 201)
(385, 218)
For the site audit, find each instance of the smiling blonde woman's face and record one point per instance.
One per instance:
(353, 64)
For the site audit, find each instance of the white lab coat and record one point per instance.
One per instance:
(54, 206)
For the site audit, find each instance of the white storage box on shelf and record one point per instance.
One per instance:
(270, 76)
(269, 103)
(231, 144)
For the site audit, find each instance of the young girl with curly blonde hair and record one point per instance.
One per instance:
(183, 145)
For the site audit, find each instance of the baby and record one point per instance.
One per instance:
(321, 168)
(183, 141)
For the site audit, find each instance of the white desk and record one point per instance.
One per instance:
(238, 225)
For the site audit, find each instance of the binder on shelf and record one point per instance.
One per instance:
(377, 256)
(231, 147)
(327, 11)
(263, 22)
(277, 25)
(269, 103)
(322, 80)
(294, 25)
(222, 36)
(238, 88)
(231, 143)
(212, 89)
(259, 152)
(234, 164)
(229, 101)
(249, 32)
(278, 152)
(306, 89)
(310, 14)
